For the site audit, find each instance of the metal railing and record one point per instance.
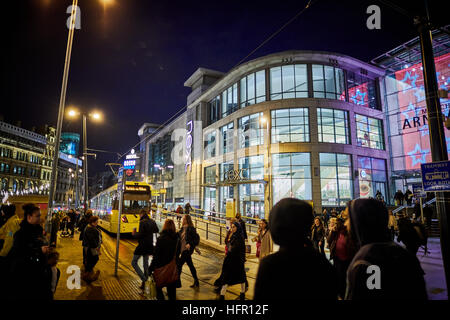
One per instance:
(400, 208)
(212, 228)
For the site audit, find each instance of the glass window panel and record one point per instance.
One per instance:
(281, 159)
(261, 83)
(318, 79)
(282, 113)
(243, 91)
(330, 81)
(301, 79)
(275, 80)
(302, 189)
(288, 78)
(327, 159)
(300, 159)
(251, 86)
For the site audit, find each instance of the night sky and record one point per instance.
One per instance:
(130, 59)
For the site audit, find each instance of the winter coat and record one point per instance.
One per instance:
(243, 229)
(332, 241)
(233, 270)
(92, 237)
(167, 247)
(7, 232)
(318, 234)
(295, 274)
(28, 263)
(147, 227)
(82, 226)
(401, 274)
(266, 247)
(189, 237)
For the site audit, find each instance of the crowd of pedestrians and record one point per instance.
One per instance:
(360, 236)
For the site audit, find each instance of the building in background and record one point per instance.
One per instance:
(70, 143)
(406, 113)
(298, 124)
(26, 164)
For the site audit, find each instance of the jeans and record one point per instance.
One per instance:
(91, 260)
(186, 257)
(134, 263)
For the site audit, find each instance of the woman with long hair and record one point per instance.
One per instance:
(265, 239)
(318, 235)
(91, 246)
(167, 247)
(188, 237)
(233, 269)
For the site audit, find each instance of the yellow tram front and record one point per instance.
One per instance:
(135, 198)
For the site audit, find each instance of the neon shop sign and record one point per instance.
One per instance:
(188, 162)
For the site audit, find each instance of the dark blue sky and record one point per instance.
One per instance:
(131, 60)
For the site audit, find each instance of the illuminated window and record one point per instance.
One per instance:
(289, 81)
(335, 179)
(291, 176)
(372, 177)
(333, 126)
(290, 125)
(362, 91)
(226, 135)
(210, 144)
(328, 82)
(369, 132)
(253, 88)
(250, 131)
(229, 100)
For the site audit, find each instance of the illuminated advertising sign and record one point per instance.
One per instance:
(409, 95)
(69, 143)
(190, 126)
(129, 164)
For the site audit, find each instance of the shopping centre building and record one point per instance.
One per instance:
(317, 126)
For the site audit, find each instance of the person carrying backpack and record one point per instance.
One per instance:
(189, 240)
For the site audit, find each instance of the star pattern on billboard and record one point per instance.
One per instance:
(415, 158)
(409, 79)
(355, 98)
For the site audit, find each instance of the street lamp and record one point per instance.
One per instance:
(96, 116)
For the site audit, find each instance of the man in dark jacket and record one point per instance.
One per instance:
(242, 223)
(398, 197)
(296, 271)
(428, 214)
(28, 258)
(73, 219)
(408, 197)
(381, 269)
(147, 228)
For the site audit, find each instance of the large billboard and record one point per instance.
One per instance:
(405, 96)
(69, 143)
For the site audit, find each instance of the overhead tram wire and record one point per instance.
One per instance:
(308, 5)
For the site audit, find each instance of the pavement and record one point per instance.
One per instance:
(126, 285)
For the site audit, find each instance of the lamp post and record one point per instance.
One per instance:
(269, 182)
(96, 116)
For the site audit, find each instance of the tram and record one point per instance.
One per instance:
(105, 205)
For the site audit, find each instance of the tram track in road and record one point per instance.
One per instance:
(130, 245)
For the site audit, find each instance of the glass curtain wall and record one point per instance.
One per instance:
(289, 81)
(291, 176)
(251, 195)
(372, 177)
(369, 132)
(290, 125)
(333, 126)
(226, 135)
(328, 82)
(210, 145)
(214, 110)
(225, 192)
(253, 88)
(229, 100)
(209, 199)
(335, 179)
(250, 131)
(362, 91)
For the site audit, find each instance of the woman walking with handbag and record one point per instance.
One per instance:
(188, 241)
(233, 269)
(164, 264)
(92, 241)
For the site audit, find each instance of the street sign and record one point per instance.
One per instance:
(436, 176)
(119, 179)
(417, 189)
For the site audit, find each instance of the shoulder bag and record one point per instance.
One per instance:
(167, 274)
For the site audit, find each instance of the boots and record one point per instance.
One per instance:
(85, 276)
(196, 284)
(94, 276)
(241, 296)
